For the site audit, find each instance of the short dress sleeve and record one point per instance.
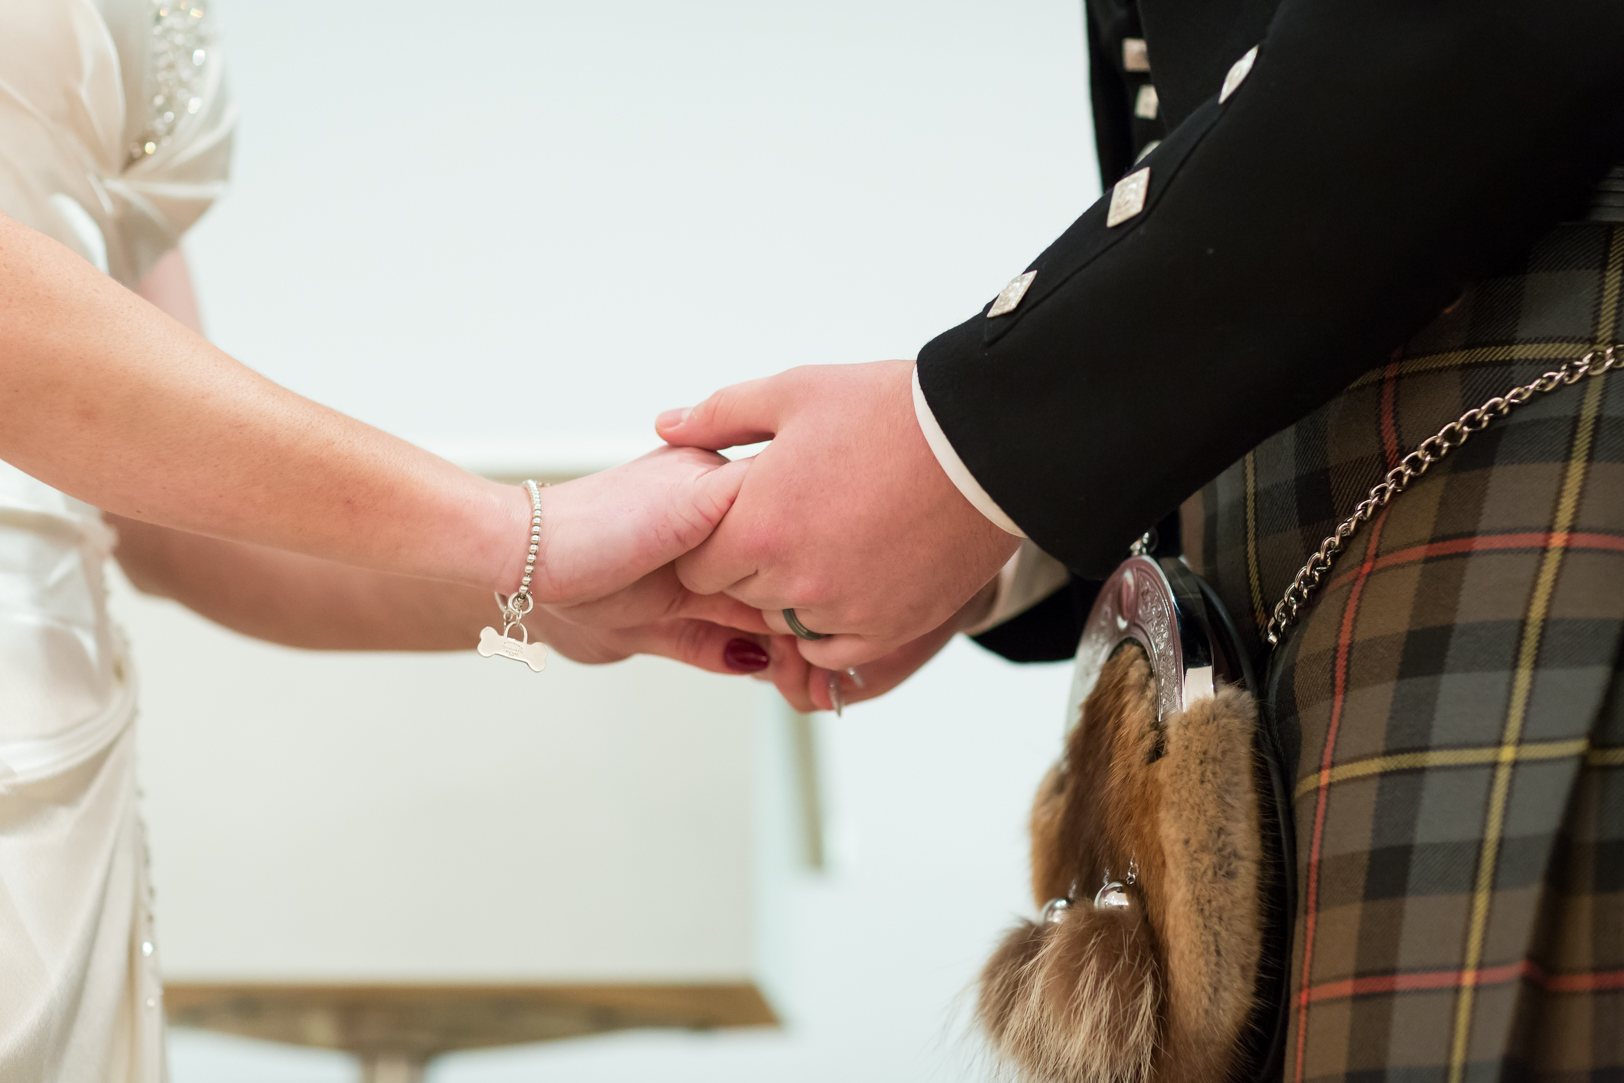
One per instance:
(115, 125)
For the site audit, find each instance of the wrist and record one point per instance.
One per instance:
(510, 536)
(978, 608)
(979, 545)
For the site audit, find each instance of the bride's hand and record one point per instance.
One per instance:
(808, 688)
(606, 532)
(658, 615)
(700, 643)
(660, 596)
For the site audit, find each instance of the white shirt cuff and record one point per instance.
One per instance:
(954, 466)
(1030, 576)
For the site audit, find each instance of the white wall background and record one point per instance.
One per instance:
(514, 231)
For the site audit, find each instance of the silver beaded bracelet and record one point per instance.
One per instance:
(494, 644)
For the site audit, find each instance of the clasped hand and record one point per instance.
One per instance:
(847, 518)
(605, 583)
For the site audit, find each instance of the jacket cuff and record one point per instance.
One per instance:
(1048, 632)
(954, 467)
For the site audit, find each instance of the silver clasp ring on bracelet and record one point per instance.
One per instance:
(515, 605)
(800, 629)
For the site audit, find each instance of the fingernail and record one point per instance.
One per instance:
(672, 418)
(745, 656)
(837, 695)
(856, 677)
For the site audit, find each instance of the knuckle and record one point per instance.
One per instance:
(711, 410)
(757, 541)
(690, 639)
(858, 614)
(811, 592)
(692, 572)
(728, 405)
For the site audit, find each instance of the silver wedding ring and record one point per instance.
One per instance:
(800, 629)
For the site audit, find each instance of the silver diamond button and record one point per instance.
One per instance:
(1135, 57)
(1128, 197)
(1238, 72)
(1011, 295)
(1147, 102)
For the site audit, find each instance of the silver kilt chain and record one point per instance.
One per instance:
(1413, 465)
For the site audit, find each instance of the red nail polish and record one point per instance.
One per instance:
(745, 656)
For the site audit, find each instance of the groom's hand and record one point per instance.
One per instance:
(846, 516)
(809, 688)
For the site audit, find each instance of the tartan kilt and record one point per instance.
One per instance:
(1454, 697)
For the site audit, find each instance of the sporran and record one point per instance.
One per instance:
(1162, 842)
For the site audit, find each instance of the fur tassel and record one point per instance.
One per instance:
(1160, 990)
(1077, 999)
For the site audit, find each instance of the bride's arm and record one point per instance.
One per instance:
(303, 601)
(109, 400)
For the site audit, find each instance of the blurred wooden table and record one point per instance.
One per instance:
(396, 1028)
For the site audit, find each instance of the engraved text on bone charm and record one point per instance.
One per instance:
(502, 645)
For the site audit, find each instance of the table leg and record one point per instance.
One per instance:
(388, 1067)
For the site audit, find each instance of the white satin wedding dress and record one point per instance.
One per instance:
(115, 135)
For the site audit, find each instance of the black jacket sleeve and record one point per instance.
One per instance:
(1381, 155)
(1049, 631)
(1110, 89)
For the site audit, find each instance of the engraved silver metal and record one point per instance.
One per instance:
(1128, 196)
(494, 644)
(1451, 436)
(1010, 296)
(801, 630)
(1137, 604)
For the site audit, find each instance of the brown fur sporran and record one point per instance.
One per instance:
(1163, 988)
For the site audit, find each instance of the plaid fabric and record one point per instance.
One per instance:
(1456, 693)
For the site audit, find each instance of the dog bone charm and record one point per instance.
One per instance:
(494, 643)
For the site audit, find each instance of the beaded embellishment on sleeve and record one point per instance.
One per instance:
(182, 34)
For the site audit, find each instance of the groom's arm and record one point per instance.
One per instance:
(1046, 631)
(1380, 156)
